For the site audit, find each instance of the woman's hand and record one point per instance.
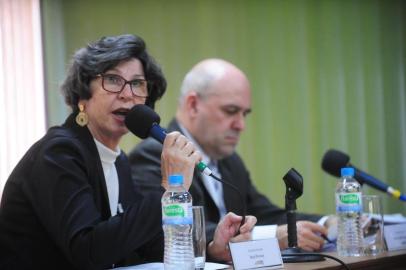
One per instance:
(179, 156)
(225, 232)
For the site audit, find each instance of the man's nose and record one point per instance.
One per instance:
(239, 122)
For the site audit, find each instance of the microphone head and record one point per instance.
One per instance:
(333, 161)
(140, 119)
(294, 183)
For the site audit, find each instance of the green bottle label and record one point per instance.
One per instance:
(348, 202)
(351, 198)
(177, 214)
(174, 210)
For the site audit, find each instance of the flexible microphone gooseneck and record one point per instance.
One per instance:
(142, 121)
(334, 160)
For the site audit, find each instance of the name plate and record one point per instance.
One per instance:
(256, 254)
(395, 236)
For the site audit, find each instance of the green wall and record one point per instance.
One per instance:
(325, 74)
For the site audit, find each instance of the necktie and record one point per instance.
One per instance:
(215, 188)
(214, 169)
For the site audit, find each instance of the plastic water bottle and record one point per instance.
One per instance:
(348, 209)
(177, 222)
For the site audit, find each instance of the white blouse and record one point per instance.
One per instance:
(108, 157)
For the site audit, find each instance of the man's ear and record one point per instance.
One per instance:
(192, 103)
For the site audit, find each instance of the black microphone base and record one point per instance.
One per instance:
(292, 255)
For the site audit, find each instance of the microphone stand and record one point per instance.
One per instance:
(294, 189)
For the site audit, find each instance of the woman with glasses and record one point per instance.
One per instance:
(70, 202)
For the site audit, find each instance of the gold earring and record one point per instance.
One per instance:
(81, 118)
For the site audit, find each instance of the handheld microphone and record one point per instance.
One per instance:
(334, 160)
(142, 121)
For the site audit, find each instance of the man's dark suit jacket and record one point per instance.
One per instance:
(146, 172)
(55, 212)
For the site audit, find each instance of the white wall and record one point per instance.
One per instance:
(22, 106)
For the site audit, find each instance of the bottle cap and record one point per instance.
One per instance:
(348, 171)
(175, 179)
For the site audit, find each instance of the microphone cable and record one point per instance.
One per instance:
(321, 255)
(244, 207)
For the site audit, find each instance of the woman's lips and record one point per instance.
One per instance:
(119, 117)
(120, 114)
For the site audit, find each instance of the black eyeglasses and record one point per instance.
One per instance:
(115, 84)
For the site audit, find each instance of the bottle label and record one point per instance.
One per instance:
(179, 214)
(348, 202)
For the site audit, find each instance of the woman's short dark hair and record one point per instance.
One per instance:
(104, 54)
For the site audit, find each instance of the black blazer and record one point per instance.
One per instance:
(146, 173)
(55, 213)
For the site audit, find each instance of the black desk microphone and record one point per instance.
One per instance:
(294, 189)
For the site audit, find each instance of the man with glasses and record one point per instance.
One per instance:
(214, 102)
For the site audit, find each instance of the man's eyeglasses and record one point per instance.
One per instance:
(115, 84)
